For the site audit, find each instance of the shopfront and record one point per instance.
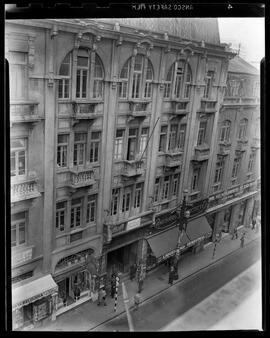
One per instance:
(75, 276)
(162, 245)
(34, 302)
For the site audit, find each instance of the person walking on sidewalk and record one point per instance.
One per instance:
(235, 233)
(102, 296)
(113, 284)
(132, 271)
(242, 239)
(171, 275)
(137, 300)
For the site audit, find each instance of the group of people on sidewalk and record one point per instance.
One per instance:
(254, 226)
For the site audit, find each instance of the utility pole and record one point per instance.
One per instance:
(126, 300)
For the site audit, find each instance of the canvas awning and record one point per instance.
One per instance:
(32, 291)
(166, 242)
(197, 228)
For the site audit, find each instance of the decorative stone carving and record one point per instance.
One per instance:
(119, 41)
(54, 31)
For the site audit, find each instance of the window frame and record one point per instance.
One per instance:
(61, 147)
(202, 132)
(92, 147)
(16, 151)
(58, 216)
(225, 131)
(91, 201)
(16, 224)
(76, 209)
(79, 148)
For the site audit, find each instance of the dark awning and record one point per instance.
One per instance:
(165, 242)
(197, 228)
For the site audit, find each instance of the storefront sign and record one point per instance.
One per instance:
(22, 256)
(166, 256)
(135, 223)
(197, 207)
(167, 219)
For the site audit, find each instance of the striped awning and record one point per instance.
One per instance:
(32, 291)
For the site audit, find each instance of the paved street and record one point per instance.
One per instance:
(179, 299)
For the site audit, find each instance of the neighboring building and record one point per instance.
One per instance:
(109, 125)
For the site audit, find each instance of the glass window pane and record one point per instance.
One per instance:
(21, 233)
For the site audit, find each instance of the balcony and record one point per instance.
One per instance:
(173, 160)
(224, 148)
(86, 111)
(24, 189)
(24, 111)
(132, 169)
(201, 153)
(242, 145)
(138, 109)
(81, 178)
(208, 106)
(240, 101)
(255, 143)
(21, 255)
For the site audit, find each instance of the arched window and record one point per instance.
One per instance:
(65, 73)
(242, 129)
(89, 76)
(179, 76)
(225, 131)
(136, 78)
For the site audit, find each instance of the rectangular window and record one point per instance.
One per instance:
(18, 229)
(76, 213)
(236, 166)
(63, 88)
(201, 133)
(218, 172)
(165, 189)
(163, 138)
(175, 184)
(118, 144)
(62, 150)
(138, 195)
(91, 209)
(173, 137)
(156, 190)
(208, 83)
(79, 148)
(132, 144)
(195, 180)
(143, 141)
(18, 75)
(167, 89)
(82, 73)
(251, 161)
(126, 199)
(98, 88)
(94, 146)
(122, 89)
(178, 82)
(182, 136)
(115, 201)
(18, 157)
(187, 85)
(60, 216)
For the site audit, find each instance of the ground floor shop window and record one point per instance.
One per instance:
(227, 219)
(41, 309)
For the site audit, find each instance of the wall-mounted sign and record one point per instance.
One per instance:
(167, 219)
(135, 223)
(22, 256)
(197, 208)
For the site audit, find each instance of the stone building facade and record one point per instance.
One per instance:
(110, 124)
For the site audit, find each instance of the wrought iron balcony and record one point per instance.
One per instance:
(224, 148)
(24, 188)
(86, 111)
(81, 178)
(24, 111)
(201, 153)
(132, 168)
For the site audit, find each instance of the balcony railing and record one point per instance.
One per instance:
(201, 153)
(256, 143)
(24, 111)
(208, 106)
(241, 144)
(224, 148)
(237, 100)
(138, 108)
(81, 178)
(24, 189)
(132, 168)
(173, 159)
(86, 111)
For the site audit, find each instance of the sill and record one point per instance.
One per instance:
(62, 169)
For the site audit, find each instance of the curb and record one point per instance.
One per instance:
(176, 283)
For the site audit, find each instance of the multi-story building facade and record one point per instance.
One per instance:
(110, 124)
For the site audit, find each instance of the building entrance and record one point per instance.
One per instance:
(121, 259)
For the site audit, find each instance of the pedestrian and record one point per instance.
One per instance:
(171, 275)
(235, 233)
(253, 224)
(65, 300)
(77, 293)
(242, 239)
(113, 284)
(102, 296)
(137, 300)
(132, 271)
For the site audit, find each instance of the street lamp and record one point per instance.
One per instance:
(183, 218)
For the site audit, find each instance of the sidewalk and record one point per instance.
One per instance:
(88, 316)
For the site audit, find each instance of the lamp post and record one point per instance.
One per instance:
(183, 217)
